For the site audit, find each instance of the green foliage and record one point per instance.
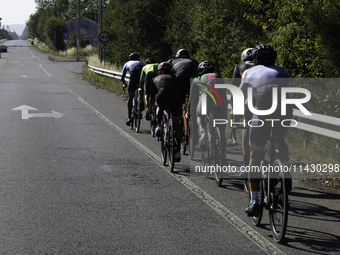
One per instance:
(4, 34)
(57, 26)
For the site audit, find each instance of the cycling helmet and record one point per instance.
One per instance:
(205, 67)
(264, 54)
(150, 60)
(247, 55)
(182, 53)
(164, 67)
(134, 56)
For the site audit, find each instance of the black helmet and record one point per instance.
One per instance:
(134, 56)
(182, 53)
(247, 55)
(205, 67)
(264, 54)
(164, 67)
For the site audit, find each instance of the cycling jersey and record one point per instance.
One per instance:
(202, 85)
(134, 67)
(148, 72)
(184, 66)
(166, 86)
(184, 69)
(262, 79)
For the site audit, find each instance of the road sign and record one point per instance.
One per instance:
(104, 37)
(65, 36)
(66, 41)
(104, 45)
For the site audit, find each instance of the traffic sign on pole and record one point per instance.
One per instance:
(104, 45)
(104, 37)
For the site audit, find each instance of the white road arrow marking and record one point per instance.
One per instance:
(25, 115)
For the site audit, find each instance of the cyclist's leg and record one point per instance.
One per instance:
(129, 106)
(177, 118)
(283, 153)
(161, 102)
(257, 140)
(201, 124)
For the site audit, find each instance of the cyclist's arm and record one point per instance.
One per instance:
(125, 69)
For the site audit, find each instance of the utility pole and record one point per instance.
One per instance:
(100, 29)
(78, 28)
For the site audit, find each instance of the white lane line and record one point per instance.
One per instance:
(45, 71)
(240, 225)
(32, 54)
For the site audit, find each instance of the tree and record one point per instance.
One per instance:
(55, 25)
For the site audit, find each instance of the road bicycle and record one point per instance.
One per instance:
(273, 191)
(168, 141)
(213, 153)
(136, 115)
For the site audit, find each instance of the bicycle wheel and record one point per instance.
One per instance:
(246, 187)
(205, 158)
(132, 119)
(163, 143)
(217, 155)
(257, 219)
(278, 207)
(171, 145)
(138, 115)
(153, 121)
(185, 139)
(191, 140)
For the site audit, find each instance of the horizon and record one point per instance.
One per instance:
(17, 28)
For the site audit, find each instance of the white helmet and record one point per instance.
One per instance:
(247, 55)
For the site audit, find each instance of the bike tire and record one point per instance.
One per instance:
(256, 220)
(132, 120)
(153, 122)
(138, 115)
(171, 146)
(191, 140)
(185, 139)
(163, 144)
(246, 187)
(278, 207)
(218, 155)
(205, 159)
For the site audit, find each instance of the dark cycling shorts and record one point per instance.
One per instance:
(171, 100)
(260, 127)
(184, 86)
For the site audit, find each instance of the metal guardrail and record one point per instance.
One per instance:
(109, 73)
(315, 123)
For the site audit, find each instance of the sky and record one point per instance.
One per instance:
(16, 12)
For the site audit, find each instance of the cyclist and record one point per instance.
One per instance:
(262, 78)
(201, 84)
(184, 68)
(247, 62)
(167, 86)
(134, 67)
(149, 71)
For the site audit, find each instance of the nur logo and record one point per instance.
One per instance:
(204, 99)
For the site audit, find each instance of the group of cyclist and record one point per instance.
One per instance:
(170, 83)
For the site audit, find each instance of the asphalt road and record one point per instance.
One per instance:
(81, 182)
